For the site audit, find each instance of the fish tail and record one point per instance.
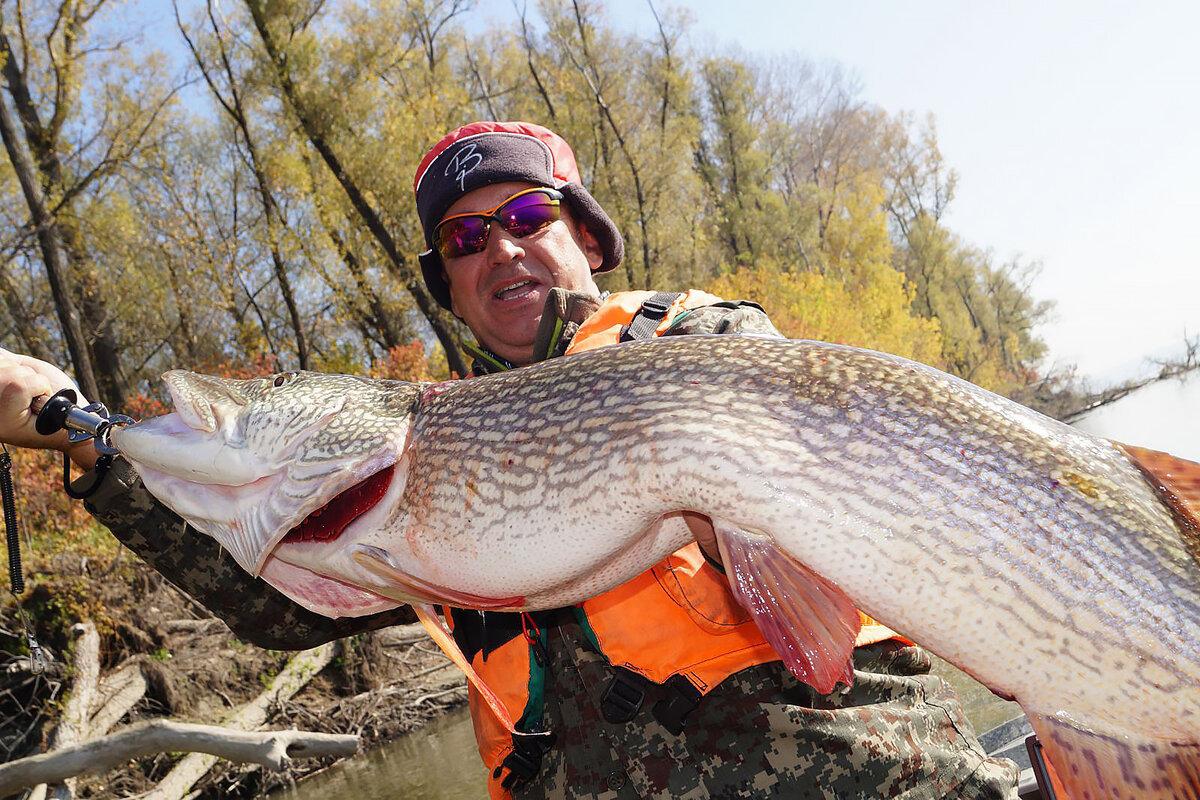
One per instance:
(1096, 766)
(810, 622)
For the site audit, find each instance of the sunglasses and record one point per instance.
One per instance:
(525, 213)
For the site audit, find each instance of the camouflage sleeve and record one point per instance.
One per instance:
(255, 611)
(728, 317)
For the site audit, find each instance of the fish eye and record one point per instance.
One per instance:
(283, 378)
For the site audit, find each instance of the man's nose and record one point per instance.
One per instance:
(503, 247)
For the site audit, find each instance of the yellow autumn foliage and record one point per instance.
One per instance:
(806, 305)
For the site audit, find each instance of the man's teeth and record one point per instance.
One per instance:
(511, 288)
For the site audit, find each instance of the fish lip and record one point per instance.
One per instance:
(205, 417)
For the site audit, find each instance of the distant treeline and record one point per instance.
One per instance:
(254, 204)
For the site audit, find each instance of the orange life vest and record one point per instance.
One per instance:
(676, 619)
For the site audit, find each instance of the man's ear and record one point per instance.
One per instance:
(453, 304)
(590, 246)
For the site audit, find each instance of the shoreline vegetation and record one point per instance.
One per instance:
(126, 648)
(236, 198)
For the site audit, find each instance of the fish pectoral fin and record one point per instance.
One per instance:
(810, 622)
(1093, 764)
(400, 584)
(444, 639)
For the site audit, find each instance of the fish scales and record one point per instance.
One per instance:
(1035, 556)
(939, 466)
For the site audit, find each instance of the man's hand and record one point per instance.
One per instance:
(22, 380)
(702, 528)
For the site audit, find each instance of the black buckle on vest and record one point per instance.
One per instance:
(679, 701)
(645, 321)
(656, 307)
(624, 696)
(525, 761)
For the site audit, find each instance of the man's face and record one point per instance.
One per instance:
(500, 292)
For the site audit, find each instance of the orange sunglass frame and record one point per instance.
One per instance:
(553, 196)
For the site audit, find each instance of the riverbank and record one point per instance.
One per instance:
(378, 685)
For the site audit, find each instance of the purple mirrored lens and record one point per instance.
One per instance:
(461, 237)
(527, 214)
(520, 216)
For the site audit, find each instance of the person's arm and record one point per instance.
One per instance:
(741, 317)
(255, 611)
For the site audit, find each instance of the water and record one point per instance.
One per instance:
(436, 762)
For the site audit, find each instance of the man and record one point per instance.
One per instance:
(662, 687)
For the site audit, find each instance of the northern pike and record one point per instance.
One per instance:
(1038, 558)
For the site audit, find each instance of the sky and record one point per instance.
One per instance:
(1075, 130)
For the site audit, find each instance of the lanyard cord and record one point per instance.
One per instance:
(12, 529)
(12, 534)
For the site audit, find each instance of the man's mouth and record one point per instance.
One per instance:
(514, 290)
(328, 521)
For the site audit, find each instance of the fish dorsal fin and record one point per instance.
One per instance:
(1177, 482)
(810, 622)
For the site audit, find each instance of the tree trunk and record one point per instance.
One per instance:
(52, 256)
(438, 319)
(77, 280)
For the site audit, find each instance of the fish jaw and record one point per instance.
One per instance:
(171, 447)
(322, 595)
(247, 461)
(379, 531)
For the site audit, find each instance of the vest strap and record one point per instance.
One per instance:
(624, 696)
(653, 311)
(525, 760)
(680, 699)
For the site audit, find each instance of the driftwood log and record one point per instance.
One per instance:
(192, 767)
(94, 706)
(271, 749)
(73, 726)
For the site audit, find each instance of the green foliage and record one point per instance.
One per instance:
(765, 179)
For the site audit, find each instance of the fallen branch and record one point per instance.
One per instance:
(192, 767)
(194, 626)
(401, 635)
(434, 695)
(119, 692)
(73, 726)
(271, 749)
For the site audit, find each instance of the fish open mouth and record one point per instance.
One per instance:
(327, 522)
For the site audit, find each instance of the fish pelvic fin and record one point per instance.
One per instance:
(440, 634)
(1105, 766)
(810, 622)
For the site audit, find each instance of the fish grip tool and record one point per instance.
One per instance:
(93, 421)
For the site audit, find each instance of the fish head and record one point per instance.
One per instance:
(248, 461)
